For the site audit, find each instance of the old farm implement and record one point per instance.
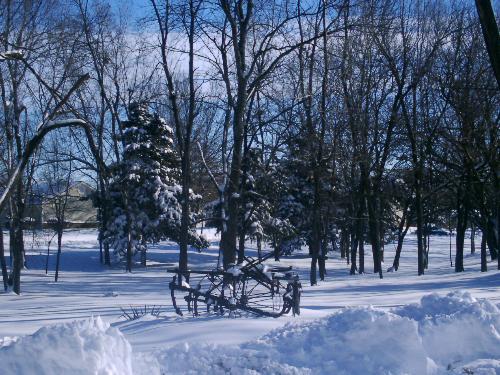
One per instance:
(251, 287)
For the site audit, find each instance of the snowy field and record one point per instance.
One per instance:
(439, 323)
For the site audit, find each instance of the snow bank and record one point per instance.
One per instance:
(85, 347)
(457, 328)
(454, 334)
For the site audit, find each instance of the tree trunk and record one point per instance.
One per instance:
(361, 251)
(360, 234)
(102, 226)
(59, 243)
(420, 223)
(490, 34)
(228, 237)
(491, 238)
(373, 229)
(472, 239)
(498, 227)
(259, 246)
(343, 252)
(402, 230)
(315, 247)
(185, 214)
(427, 249)
(460, 238)
(241, 247)
(276, 248)
(144, 252)
(107, 257)
(129, 252)
(17, 240)
(314, 261)
(48, 257)
(484, 262)
(100, 235)
(322, 261)
(354, 249)
(3, 264)
(347, 250)
(12, 239)
(401, 237)
(18, 250)
(322, 268)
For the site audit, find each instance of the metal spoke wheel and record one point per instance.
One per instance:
(251, 287)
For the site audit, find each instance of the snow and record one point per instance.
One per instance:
(88, 346)
(435, 336)
(457, 328)
(234, 270)
(440, 323)
(363, 340)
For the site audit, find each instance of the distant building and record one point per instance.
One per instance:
(40, 210)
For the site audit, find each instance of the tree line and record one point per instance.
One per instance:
(324, 123)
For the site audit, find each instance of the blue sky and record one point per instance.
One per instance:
(136, 8)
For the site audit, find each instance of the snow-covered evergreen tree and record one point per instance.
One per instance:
(297, 195)
(144, 191)
(260, 193)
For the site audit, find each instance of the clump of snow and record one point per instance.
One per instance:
(454, 334)
(235, 271)
(84, 347)
(355, 341)
(221, 360)
(456, 328)
(7, 341)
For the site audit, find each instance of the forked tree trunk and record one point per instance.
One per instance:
(403, 227)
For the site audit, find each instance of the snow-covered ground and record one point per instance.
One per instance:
(348, 324)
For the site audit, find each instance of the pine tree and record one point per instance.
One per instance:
(144, 191)
(259, 216)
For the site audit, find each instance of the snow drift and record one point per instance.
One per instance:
(452, 334)
(79, 348)
(456, 328)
